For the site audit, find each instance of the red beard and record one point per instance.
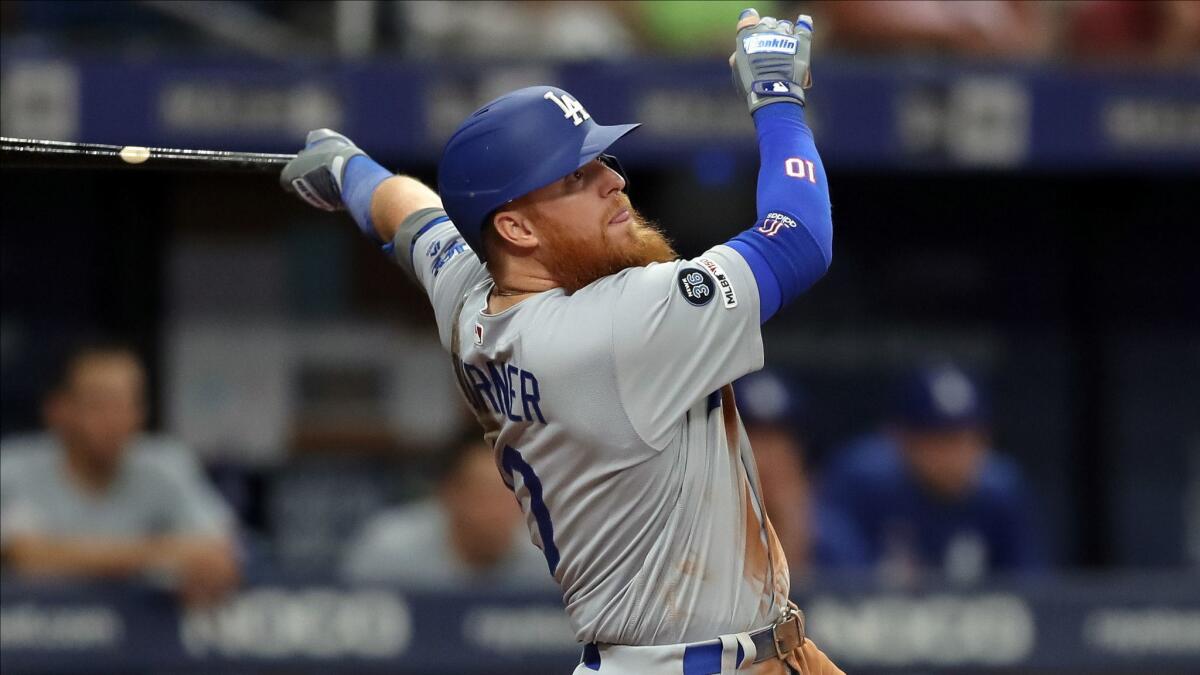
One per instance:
(575, 262)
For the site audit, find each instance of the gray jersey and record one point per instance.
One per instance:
(410, 545)
(160, 489)
(613, 423)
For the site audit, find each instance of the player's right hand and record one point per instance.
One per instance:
(771, 59)
(315, 175)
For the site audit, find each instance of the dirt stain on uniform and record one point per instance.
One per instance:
(766, 564)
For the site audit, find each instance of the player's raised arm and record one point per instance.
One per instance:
(791, 245)
(682, 331)
(332, 174)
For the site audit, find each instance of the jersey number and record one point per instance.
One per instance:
(513, 462)
(800, 168)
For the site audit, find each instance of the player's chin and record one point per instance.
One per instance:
(622, 233)
(622, 228)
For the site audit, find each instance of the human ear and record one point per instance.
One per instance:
(513, 228)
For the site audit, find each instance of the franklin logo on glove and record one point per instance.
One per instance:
(766, 42)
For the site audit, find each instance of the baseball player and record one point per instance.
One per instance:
(598, 363)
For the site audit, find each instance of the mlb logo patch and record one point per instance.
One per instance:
(772, 88)
(478, 335)
(696, 285)
(724, 285)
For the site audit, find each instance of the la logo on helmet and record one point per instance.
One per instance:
(571, 108)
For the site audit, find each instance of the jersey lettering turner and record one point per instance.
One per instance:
(505, 390)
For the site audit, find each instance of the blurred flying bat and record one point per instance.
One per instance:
(40, 154)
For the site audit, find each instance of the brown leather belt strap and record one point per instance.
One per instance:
(781, 638)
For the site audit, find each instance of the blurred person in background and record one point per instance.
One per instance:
(772, 412)
(986, 28)
(689, 28)
(1133, 32)
(927, 495)
(94, 497)
(556, 30)
(469, 534)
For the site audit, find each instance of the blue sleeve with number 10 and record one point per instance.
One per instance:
(791, 245)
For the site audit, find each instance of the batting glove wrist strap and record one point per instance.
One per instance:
(359, 180)
(771, 60)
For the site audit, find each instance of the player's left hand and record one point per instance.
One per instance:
(771, 60)
(315, 175)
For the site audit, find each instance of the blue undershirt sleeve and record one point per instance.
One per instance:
(791, 245)
(359, 180)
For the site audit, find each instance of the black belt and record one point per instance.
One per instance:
(779, 639)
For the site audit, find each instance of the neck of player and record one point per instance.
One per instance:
(516, 279)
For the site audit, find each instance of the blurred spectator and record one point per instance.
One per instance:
(94, 497)
(692, 28)
(469, 534)
(993, 28)
(773, 411)
(926, 494)
(466, 29)
(771, 408)
(1134, 31)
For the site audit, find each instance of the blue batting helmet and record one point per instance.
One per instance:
(512, 146)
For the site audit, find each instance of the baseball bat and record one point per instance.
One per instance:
(40, 154)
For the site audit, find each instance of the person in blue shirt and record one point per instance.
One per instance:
(926, 495)
(772, 409)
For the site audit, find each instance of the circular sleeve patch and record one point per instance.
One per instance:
(696, 285)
